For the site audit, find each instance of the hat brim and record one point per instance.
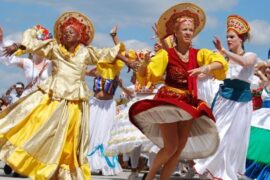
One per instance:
(81, 17)
(179, 10)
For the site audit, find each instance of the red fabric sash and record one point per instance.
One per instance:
(192, 80)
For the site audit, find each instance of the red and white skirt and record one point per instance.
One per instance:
(172, 105)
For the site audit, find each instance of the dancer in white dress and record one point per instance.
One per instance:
(208, 87)
(232, 106)
(102, 115)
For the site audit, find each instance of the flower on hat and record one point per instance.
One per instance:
(42, 33)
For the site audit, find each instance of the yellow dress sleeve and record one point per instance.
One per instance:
(205, 57)
(33, 45)
(131, 54)
(155, 70)
(110, 70)
(107, 65)
(103, 55)
(157, 67)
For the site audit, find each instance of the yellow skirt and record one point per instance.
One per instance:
(46, 139)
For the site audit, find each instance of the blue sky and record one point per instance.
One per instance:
(134, 18)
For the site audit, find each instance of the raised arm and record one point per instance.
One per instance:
(245, 61)
(108, 55)
(10, 90)
(11, 49)
(114, 36)
(128, 92)
(32, 43)
(165, 42)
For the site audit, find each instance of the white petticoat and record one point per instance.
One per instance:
(124, 136)
(102, 114)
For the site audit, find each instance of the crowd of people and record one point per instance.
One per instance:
(187, 111)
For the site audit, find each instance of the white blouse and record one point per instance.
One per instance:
(237, 71)
(29, 69)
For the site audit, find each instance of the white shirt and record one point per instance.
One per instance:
(237, 71)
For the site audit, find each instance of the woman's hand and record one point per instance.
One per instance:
(133, 65)
(198, 71)
(202, 76)
(261, 66)
(155, 30)
(261, 75)
(114, 31)
(218, 44)
(92, 72)
(120, 83)
(9, 50)
(147, 57)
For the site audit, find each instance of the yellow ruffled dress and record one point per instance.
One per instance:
(45, 135)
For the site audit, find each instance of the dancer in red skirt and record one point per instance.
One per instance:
(176, 120)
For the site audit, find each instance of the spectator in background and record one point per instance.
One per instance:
(19, 88)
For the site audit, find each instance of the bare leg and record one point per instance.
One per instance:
(183, 133)
(170, 139)
(134, 157)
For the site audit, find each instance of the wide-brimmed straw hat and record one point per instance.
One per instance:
(86, 29)
(165, 25)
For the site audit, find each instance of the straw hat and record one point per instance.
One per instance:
(165, 25)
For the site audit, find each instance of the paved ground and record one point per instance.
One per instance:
(125, 174)
(122, 176)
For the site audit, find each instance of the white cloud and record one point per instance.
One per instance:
(260, 32)
(104, 40)
(136, 44)
(17, 37)
(211, 22)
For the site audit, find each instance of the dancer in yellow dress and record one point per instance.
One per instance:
(45, 135)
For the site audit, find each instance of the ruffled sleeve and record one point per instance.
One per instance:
(110, 70)
(157, 66)
(104, 55)
(34, 45)
(205, 57)
(131, 54)
(107, 66)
